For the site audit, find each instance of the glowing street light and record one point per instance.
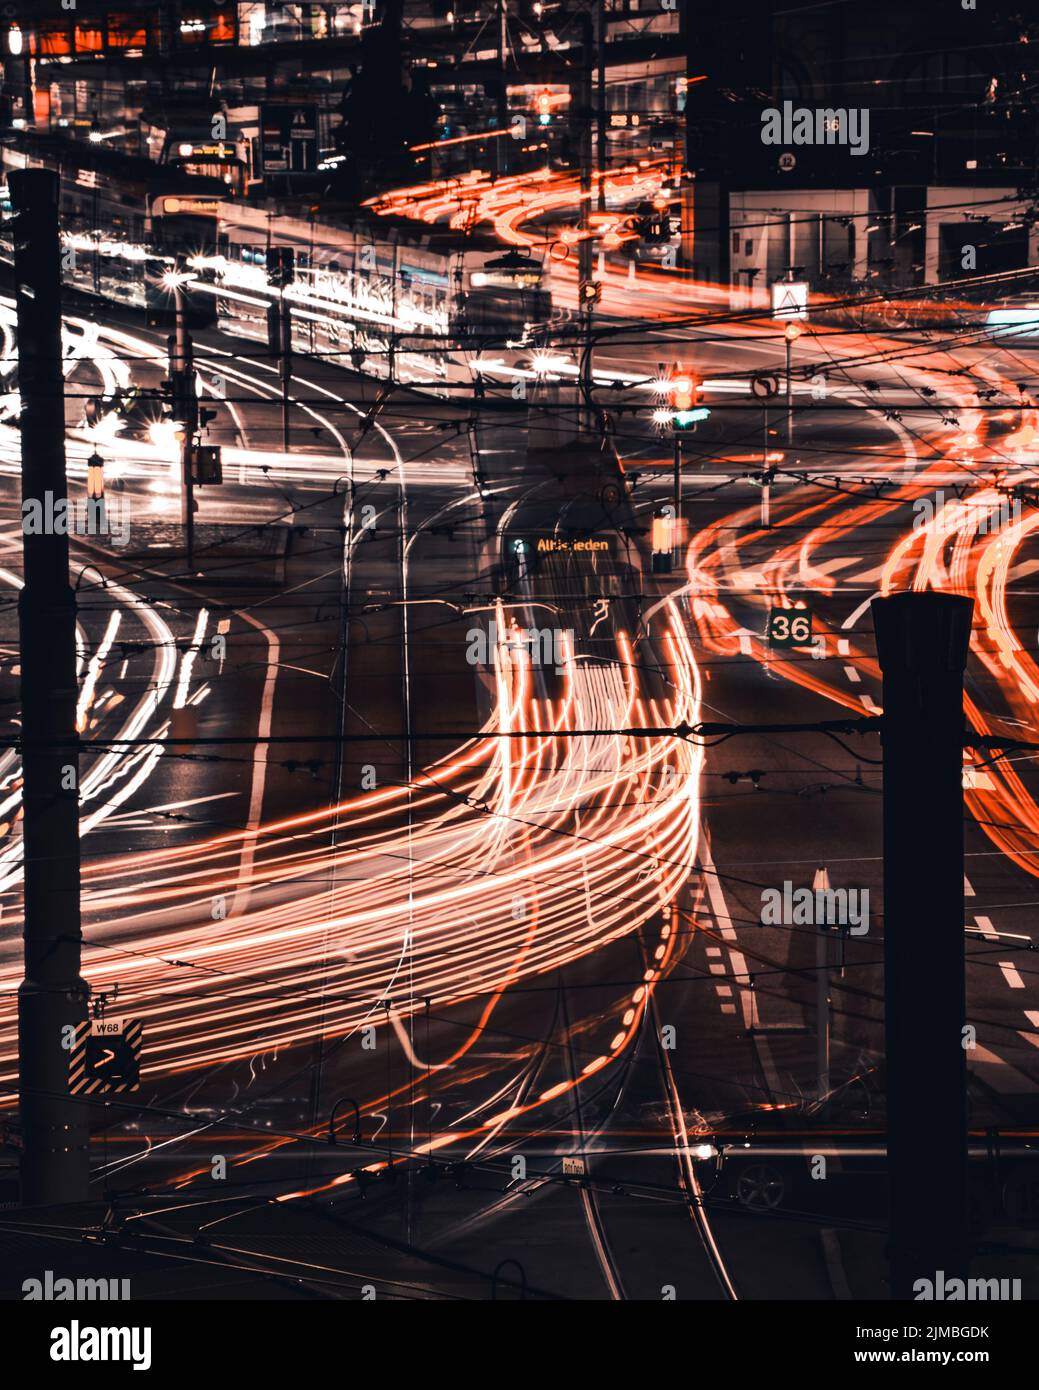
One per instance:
(95, 478)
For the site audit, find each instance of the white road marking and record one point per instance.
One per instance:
(1011, 974)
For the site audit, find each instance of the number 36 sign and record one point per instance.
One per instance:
(788, 627)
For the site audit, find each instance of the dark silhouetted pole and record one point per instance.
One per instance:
(585, 248)
(52, 999)
(922, 641)
(676, 539)
(281, 272)
(602, 147)
(501, 91)
(185, 403)
(285, 368)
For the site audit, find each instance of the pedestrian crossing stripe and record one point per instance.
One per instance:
(92, 1056)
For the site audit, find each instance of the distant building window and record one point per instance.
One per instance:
(89, 38)
(252, 19)
(945, 74)
(200, 26)
(127, 31)
(792, 81)
(53, 40)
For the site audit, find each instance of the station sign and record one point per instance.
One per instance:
(186, 207)
(555, 545)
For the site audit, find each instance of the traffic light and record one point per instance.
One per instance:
(181, 404)
(204, 463)
(683, 396)
(521, 554)
(655, 227)
(544, 108)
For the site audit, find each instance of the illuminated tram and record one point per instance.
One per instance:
(503, 294)
(124, 219)
(359, 293)
(370, 291)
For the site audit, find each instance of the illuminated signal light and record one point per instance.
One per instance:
(683, 398)
(683, 390)
(544, 105)
(682, 419)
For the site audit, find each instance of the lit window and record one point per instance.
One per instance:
(88, 38)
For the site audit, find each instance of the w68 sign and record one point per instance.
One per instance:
(789, 627)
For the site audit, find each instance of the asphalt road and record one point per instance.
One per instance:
(435, 890)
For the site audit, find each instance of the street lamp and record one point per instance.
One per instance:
(95, 478)
(96, 523)
(791, 333)
(663, 541)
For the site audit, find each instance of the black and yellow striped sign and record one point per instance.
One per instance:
(106, 1057)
